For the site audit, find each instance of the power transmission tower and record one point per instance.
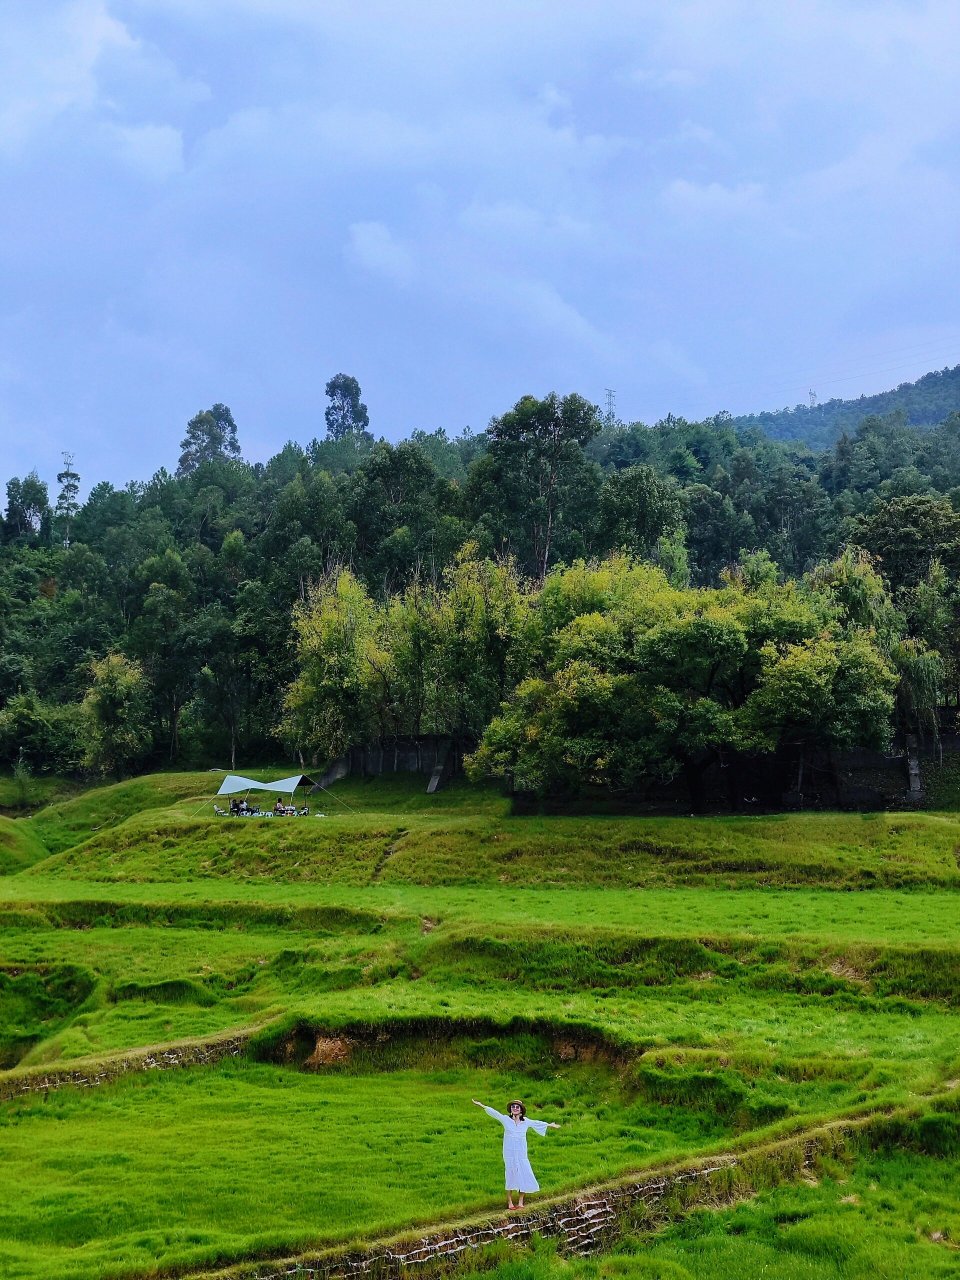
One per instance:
(813, 398)
(611, 406)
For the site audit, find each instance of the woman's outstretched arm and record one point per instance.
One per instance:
(541, 1126)
(494, 1114)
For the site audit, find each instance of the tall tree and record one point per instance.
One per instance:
(330, 705)
(907, 534)
(164, 638)
(211, 436)
(637, 508)
(534, 470)
(67, 504)
(115, 714)
(28, 507)
(346, 414)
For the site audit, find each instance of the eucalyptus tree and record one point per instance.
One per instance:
(906, 534)
(637, 508)
(346, 414)
(211, 435)
(28, 509)
(532, 479)
(330, 705)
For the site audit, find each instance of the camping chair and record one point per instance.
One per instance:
(221, 813)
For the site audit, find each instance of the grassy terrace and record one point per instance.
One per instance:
(891, 1216)
(666, 987)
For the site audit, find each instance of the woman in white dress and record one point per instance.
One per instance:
(518, 1174)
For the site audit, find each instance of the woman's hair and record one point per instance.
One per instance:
(517, 1103)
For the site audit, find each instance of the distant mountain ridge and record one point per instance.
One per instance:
(924, 403)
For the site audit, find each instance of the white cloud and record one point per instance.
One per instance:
(49, 63)
(668, 355)
(877, 161)
(512, 222)
(74, 61)
(505, 140)
(713, 199)
(664, 77)
(374, 247)
(153, 151)
(692, 131)
(535, 308)
(552, 99)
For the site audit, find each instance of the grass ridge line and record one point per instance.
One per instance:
(89, 1073)
(83, 913)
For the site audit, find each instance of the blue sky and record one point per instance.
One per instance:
(702, 204)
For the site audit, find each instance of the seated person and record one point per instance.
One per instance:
(279, 808)
(244, 807)
(234, 806)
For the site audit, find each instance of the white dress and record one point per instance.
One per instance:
(517, 1171)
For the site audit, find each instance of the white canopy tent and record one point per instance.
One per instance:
(233, 783)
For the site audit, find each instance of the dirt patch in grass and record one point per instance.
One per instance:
(329, 1051)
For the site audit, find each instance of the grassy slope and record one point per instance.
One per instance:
(892, 1216)
(161, 828)
(294, 1158)
(69, 822)
(803, 850)
(797, 999)
(19, 797)
(913, 918)
(749, 1003)
(20, 847)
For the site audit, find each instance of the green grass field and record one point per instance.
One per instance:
(892, 1216)
(668, 986)
(292, 1160)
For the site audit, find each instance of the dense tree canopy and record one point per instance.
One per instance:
(647, 680)
(422, 585)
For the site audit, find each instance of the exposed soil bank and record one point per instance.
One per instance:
(395, 1043)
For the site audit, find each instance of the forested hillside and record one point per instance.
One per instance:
(923, 403)
(351, 588)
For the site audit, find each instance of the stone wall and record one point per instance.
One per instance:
(581, 1224)
(197, 1053)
